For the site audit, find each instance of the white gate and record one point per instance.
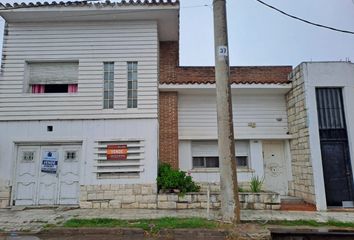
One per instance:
(47, 175)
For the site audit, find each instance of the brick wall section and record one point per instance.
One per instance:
(169, 60)
(240, 75)
(172, 73)
(303, 184)
(168, 133)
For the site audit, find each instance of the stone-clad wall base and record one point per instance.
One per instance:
(188, 201)
(260, 201)
(141, 196)
(4, 197)
(256, 201)
(119, 196)
(215, 187)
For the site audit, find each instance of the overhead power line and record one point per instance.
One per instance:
(304, 20)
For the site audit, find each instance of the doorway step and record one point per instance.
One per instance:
(290, 203)
(56, 207)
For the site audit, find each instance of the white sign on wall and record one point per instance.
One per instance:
(49, 162)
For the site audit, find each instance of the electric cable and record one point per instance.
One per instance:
(304, 20)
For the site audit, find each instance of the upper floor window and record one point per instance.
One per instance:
(132, 85)
(108, 80)
(53, 77)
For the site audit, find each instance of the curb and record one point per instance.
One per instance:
(196, 233)
(97, 231)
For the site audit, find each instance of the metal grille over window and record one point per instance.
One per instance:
(330, 108)
(205, 162)
(108, 93)
(205, 154)
(70, 155)
(119, 158)
(28, 156)
(132, 84)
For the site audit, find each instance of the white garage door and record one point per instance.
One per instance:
(47, 175)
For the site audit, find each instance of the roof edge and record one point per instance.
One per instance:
(119, 3)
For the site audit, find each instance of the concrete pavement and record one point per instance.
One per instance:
(34, 220)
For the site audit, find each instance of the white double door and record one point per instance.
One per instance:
(47, 175)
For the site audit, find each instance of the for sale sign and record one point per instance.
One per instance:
(49, 162)
(117, 152)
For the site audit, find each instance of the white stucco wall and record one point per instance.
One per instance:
(265, 110)
(327, 74)
(87, 132)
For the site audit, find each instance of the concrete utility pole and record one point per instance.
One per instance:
(230, 205)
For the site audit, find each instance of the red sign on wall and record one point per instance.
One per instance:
(117, 152)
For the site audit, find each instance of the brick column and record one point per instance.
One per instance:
(168, 133)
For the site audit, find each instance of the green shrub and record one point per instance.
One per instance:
(256, 184)
(169, 179)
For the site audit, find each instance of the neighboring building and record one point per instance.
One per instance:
(188, 126)
(321, 120)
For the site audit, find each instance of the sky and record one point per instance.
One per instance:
(260, 36)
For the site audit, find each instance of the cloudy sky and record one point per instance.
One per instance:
(261, 36)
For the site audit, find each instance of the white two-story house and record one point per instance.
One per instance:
(79, 91)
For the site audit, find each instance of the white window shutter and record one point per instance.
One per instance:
(204, 149)
(210, 148)
(242, 148)
(53, 73)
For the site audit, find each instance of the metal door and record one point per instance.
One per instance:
(275, 178)
(337, 172)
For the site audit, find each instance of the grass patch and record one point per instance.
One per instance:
(152, 225)
(314, 223)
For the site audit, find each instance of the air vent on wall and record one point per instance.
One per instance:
(123, 158)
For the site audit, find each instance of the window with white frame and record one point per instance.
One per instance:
(242, 154)
(108, 88)
(132, 100)
(52, 77)
(205, 154)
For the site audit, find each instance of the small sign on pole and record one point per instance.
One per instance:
(222, 52)
(117, 152)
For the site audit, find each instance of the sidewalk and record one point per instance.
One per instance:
(35, 219)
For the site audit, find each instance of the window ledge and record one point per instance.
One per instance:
(198, 170)
(216, 170)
